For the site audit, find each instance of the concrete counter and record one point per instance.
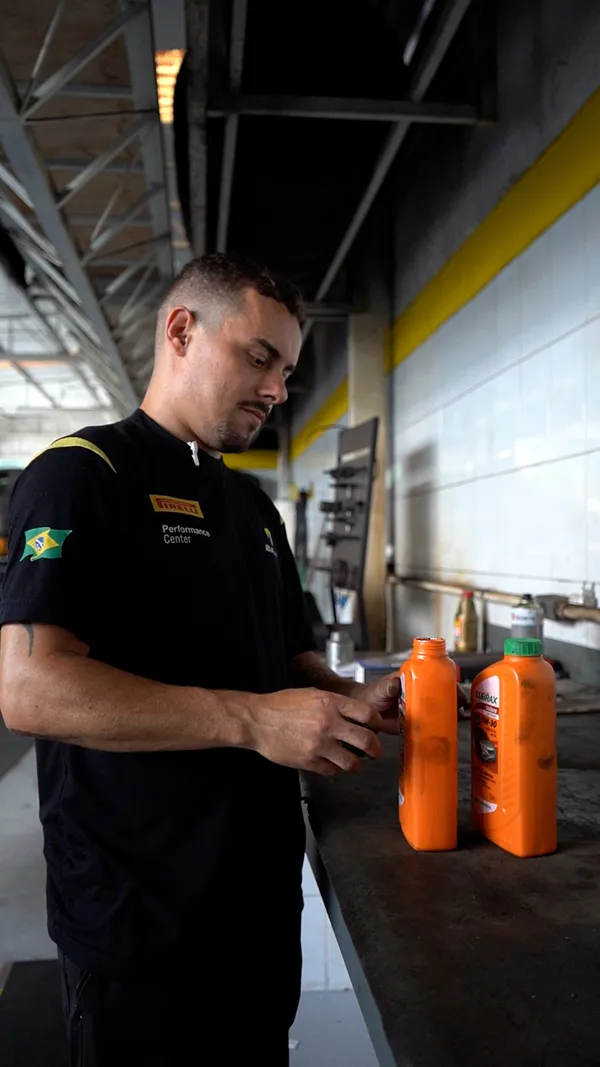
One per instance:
(472, 958)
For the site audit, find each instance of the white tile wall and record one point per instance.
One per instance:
(502, 408)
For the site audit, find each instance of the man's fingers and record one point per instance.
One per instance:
(391, 725)
(361, 739)
(345, 758)
(390, 685)
(361, 712)
(384, 694)
(387, 688)
(324, 767)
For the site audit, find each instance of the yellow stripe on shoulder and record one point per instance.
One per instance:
(78, 442)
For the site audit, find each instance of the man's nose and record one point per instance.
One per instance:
(273, 390)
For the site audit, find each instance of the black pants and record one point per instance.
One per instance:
(180, 1017)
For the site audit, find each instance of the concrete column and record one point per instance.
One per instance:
(284, 439)
(366, 400)
(284, 497)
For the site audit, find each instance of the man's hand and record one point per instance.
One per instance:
(382, 697)
(308, 729)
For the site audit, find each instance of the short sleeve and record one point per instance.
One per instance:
(299, 633)
(61, 534)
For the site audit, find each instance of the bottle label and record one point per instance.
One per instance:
(485, 717)
(402, 713)
(524, 616)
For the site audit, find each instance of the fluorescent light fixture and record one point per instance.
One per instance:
(415, 37)
(167, 68)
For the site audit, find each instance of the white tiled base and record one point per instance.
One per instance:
(330, 1029)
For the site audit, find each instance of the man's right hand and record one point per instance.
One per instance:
(308, 728)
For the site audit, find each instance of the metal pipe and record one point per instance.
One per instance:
(577, 613)
(493, 596)
(555, 607)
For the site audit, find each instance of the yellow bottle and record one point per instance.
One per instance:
(465, 625)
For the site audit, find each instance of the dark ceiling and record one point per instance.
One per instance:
(297, 181)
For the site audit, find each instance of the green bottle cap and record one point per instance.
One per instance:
(526, 646)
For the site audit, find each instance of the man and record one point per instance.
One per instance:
(155, 643)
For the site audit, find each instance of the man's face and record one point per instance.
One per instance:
(233, 373)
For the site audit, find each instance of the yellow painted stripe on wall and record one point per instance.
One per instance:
(254, 460)
(329, 413)
(565, 172)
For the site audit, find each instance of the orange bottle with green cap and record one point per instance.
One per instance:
(428, 779)
(513, 750)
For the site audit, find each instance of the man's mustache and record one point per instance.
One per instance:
(256, 405)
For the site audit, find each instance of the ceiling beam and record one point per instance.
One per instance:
(40, 357)
(28, 167)
(15, 186)
(91, 220)
(107, 234)
(116, 167)
(139, 44)
(333, 107)
(110, 287)
(79, 329)
(100, 163)
(329, 312)
(55, 339)
(43, 52)
(196, 17)
(236, 63)
(40, 94)
(87, 92)
(8, 357)
(442, 36)
(21, 227)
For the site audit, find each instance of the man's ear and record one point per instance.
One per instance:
(179, 324)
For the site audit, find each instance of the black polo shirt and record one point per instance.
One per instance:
(175, 568)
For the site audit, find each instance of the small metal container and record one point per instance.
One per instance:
(339, 649)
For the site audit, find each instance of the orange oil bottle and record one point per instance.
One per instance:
(428, 779)
(513, 750)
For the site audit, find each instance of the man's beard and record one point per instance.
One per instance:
(228, 439)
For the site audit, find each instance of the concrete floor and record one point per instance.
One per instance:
(329, 1028)
(23, 933)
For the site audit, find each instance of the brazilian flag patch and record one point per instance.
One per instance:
(44, 542)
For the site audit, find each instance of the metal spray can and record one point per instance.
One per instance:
(527, 619)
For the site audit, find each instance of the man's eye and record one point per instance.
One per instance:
(259, 361)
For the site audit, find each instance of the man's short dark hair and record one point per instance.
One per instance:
(213, 282)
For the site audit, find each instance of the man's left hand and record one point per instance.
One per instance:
(382, 697)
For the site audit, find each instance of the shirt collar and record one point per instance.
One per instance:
(164, 439)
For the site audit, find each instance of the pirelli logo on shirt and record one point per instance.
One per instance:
(176, 505)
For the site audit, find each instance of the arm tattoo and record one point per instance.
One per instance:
(29, 629)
